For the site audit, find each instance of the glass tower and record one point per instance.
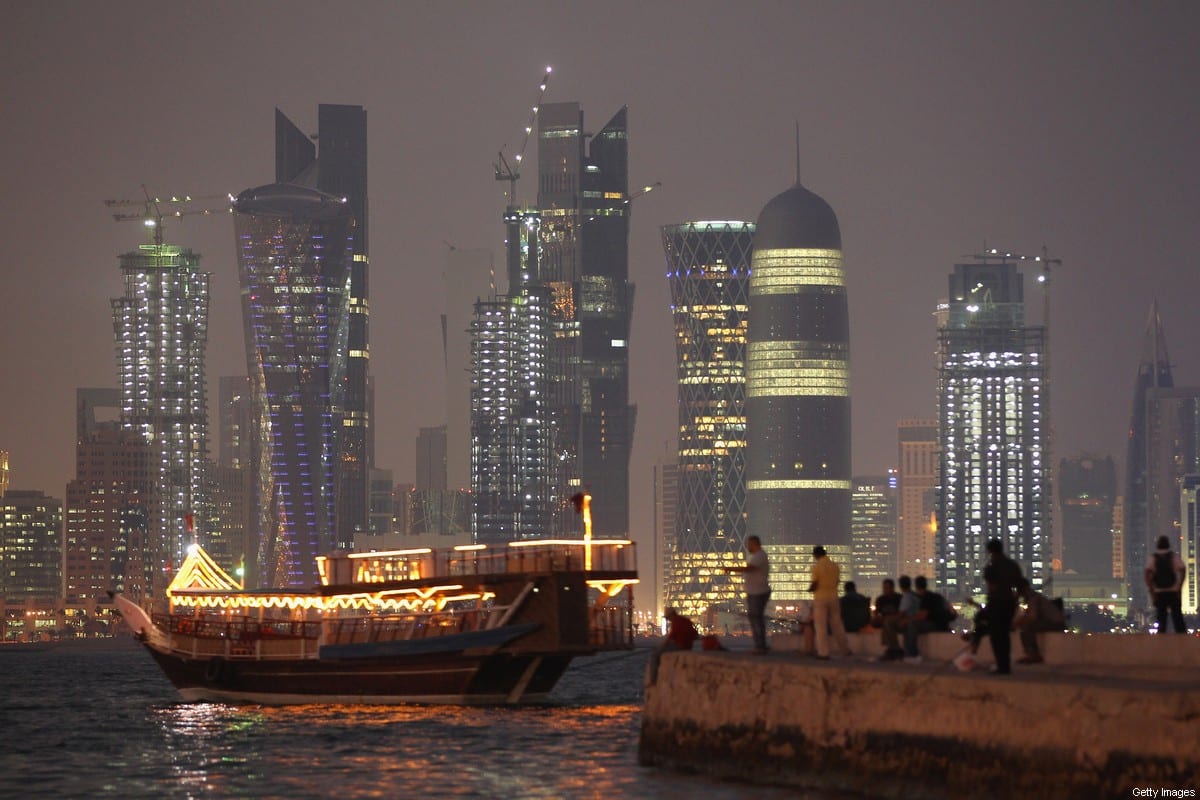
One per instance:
(709, 275)
(295, 251)
(584, 234)
(337, 166)
(798, 389)
(873, 531)
(993, 429)
(1087, 492)
(161, 327)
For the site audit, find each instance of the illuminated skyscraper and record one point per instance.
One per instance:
(872, 532)
(1189, 545)
(584, 260)
(3, 473)
(337, 166)
(469, 276)
(993, 428)
(161, 327)
(30, 547)
(709, 274)
(798, 389)
(917, 483)
(295, 250)
(1087, 492)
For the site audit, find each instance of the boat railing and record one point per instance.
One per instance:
(396, 628)
(610, 627)
(518, 557)
(238, 637)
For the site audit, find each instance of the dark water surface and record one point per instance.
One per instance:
(86, 724)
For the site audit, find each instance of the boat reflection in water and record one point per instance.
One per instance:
(469, 625)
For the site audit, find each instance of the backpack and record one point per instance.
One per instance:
(1164, 570)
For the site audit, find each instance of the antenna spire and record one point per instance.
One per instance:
(797, 152)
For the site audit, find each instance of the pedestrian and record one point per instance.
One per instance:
(681, 635)
(893, 624)
(1002, 604)
(933, 614)
(856, 608)
(827, 611)
(757, 570)
(1165, 572)
(1040, 614)
(886, 604)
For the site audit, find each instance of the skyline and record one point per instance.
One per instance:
(1079, 136)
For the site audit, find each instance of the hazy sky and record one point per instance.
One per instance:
(931, 128)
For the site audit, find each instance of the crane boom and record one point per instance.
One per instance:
(509, 172)
(153, 212)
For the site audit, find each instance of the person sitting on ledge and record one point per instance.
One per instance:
(681, 635)
(886, 604)
(933, 614)
(910, 604)
(1040, 614)
(856, 608)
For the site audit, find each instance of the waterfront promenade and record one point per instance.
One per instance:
(1104, 716)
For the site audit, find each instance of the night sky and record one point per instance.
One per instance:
(932, 130)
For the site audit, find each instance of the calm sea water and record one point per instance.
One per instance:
(85, 724)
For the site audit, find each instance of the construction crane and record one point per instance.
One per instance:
(152, 209)
(644, 190)
(509, 172)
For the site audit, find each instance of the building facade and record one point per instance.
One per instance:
(917, 478)
(295, 250)
(1087, 494)
(708, 273)
(993, 429)
(1154, 374)
(31, 547)
(337, 166)
(798, 389)
(872, 532)
(1189, 545)
(161, 328)
(583, 205)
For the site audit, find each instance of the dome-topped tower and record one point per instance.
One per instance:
(798, 384)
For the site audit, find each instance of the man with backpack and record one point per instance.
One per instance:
(1164, 578)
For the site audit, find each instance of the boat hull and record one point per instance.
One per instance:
(458, 679)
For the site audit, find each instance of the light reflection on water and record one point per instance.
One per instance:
(117, 729)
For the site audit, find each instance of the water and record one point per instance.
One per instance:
(86, 724)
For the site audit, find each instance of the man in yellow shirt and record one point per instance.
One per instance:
(827, 612)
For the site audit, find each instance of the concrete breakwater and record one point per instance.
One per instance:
(899, 730)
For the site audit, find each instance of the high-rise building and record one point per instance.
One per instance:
(583, 202)
(161, 327)
(917, 477)
(1154, 372)
(993, 429)
(666, 517)
(709, 276)
(232, 542)
(431, 458)
(872, 532)
(108, 507)
(469, 277)
(511, 429)
(295, 250)
(798, 389)
(3, 473)
(236, 415)
(1087, 493)
(382, 508)
(1189, 545)
(30, 547)
(1118, 529)
(337, 166)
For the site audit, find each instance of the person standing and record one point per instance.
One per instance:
(1165, 572)
(827, 611)
(1002, 603)
(758, 590)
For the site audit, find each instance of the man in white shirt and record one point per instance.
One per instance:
(758, 590)
(1164, 578)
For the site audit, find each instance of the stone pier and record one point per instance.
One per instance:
(1089, 728)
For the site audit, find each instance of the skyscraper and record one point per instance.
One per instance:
(709, 275)
(1087, 492)
(469, 276)
(236, 420)
(798, 387)
(1189, 546)
(295, 251)
(161, 327)
(30, 547)
(337, 166)
(431, 458)
(993, 428)
(584, 260)
(917, 481)
(872, 532)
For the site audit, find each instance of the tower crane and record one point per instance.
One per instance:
(155, 209)
(510, 172)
